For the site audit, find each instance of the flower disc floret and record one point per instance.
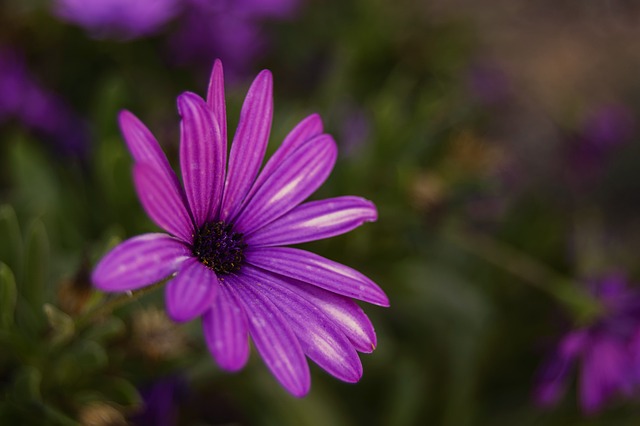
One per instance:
(219, 248)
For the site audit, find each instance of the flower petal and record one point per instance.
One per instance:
(315, 220)
(142, 144)
(344, 312)
(273, 338)
(191, 292)
(320, 338)
(306, 130)
(202, 156)
(162, 202)
(226, 331)
(215, 100)
(605, 371)
(249, 144)
(138, 262)
(552, 380)
(317, 270)
(290, 184)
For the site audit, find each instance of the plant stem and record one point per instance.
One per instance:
(113, 303)
(582, 305)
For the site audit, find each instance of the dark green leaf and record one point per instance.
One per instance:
(8, 296)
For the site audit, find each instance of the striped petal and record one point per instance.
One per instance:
(139, 262)
(321, 339)
(317, 270)
(202, 156)
(142, 144)
(191, 292)
(162, 202)
(215, 99)
(249, 144)
(306, 130)
(315, 220)
(290, 184)
(225, 329)
(344, 312)
(273, 338)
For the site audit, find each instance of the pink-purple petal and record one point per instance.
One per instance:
(273, 338)
(290, 184)
(142, 144)
(201, 156)
(216, 101)
(307, 129)
(604, 370)
(320, 338)
(249, 144)
(226, 331)
(162, 201)
(315, 220)
(344, 312)
(138, 262)
(317, 270)
(191, 292)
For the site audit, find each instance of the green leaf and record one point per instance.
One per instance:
(8, 296)
(36, 265)
(26, 385)
(121, 392)
(62, 325)
(11, 242)
(80, 362)
(106, 330)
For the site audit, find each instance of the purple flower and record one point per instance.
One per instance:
(488, 83)
(124, 19)
(602, 133)
(24, 100)
(223, 254)
(230, 29)
(162, 400)
(606, 350)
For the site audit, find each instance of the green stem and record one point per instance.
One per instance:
(582, 305)
(113, 303)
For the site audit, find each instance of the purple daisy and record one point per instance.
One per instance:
(607, 351)
(223, 254)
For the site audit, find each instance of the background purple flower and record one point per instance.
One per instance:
(24, 100)
(604, 131)
(231, 30)
(162, 399)
(123, 19)
(605, 351)
(224, 257)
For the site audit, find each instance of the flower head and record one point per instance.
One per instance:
(226, 228)
(607, 351)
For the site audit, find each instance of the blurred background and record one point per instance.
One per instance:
(498, 140)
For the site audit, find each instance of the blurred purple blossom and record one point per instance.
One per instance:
(231, 30)
(606, 351)
(119, 19)
(355, 128)
(162, 400)
(41, 111)
(604, 130)
(488, 83)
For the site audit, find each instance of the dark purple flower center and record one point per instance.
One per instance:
(219, 248)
